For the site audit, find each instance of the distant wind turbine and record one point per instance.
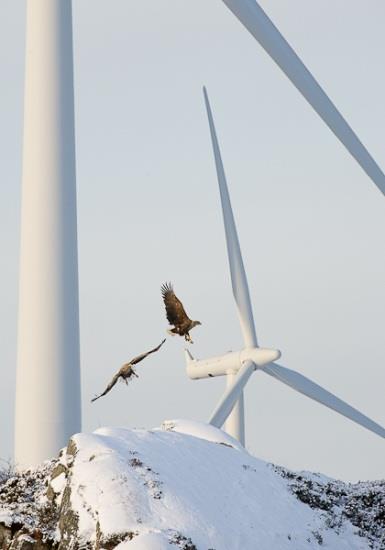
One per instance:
(252, 16)
(239, 366)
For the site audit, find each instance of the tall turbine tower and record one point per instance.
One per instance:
(48, 369)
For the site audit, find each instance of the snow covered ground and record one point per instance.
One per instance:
(188, 485)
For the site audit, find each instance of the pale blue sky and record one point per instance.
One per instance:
(311, 223)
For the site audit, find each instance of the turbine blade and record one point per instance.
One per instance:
(237, 270)
(305, 386)
(231, 395)
(251, 15)
(188, 356)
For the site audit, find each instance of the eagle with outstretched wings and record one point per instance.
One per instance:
(127, 371)
(176, 314)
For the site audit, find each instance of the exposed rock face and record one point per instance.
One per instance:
(363, 503)
(27, 518)
(187, 487)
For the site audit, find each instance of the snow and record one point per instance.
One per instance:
(190, 486)
(58, 483)
(147, 541)
(203, 431)
(23, 502)
(191, 479)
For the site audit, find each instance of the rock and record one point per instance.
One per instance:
(68, 522)
(169, 489)
(5, 536)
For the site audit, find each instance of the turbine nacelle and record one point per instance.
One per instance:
(239, 366)
(229, 363)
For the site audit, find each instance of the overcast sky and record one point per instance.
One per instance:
(311, 224)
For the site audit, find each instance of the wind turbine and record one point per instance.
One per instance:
(255, 20)
(47, 410)
(239, 366)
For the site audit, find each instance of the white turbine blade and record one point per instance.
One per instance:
(251, 15)
(231, 395)
(237, 270)
(314, 391)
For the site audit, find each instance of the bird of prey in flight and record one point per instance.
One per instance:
(176, 314)
(127, 371)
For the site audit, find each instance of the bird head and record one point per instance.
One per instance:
(196, 323)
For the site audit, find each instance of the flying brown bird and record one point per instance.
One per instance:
(176, 314)
(127, 371)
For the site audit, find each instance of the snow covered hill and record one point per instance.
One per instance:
(185, 485)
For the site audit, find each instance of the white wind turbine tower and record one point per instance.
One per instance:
(48, 370)
(239, 366)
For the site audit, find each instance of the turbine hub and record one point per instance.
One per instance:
(260, 356)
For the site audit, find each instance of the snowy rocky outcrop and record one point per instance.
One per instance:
(185, 485)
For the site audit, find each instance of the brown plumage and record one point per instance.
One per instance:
(127, 371)
(176, 314)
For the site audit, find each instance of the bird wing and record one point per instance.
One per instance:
(175, 312)
(109, 387)
(144, 355)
